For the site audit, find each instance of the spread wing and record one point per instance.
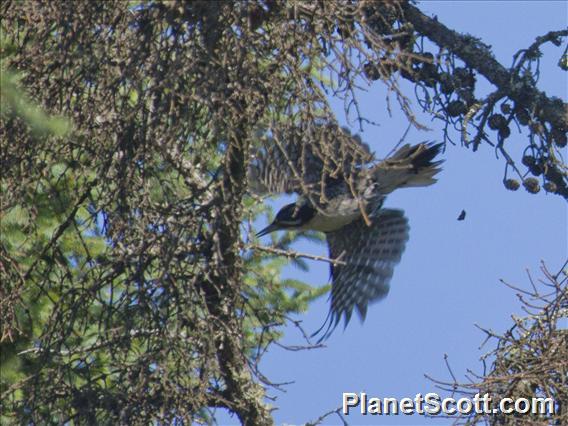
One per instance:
(370, 255)
(302, 158)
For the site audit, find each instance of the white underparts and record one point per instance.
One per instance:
(325, 223)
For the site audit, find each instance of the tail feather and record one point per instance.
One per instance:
(410, 166)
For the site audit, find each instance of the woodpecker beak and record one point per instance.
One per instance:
(270, 228)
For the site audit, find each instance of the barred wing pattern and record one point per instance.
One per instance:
(370, 255)
(289, 163)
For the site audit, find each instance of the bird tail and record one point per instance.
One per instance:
(410, 166)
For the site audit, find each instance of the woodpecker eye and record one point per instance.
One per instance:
(287, 212)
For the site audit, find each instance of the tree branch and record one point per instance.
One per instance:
(477, 55)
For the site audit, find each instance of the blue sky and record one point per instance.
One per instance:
(448, 279)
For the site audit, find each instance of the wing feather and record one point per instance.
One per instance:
(295, 158)
(370, 255)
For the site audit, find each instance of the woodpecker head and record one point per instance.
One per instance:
(291, 216)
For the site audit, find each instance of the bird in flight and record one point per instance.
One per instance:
(341, 192)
